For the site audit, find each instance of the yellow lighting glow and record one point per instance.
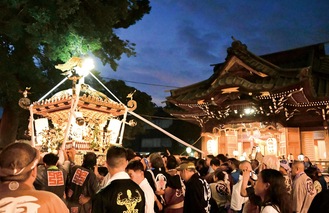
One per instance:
(87, 66)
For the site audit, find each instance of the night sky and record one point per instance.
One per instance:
(178, 41)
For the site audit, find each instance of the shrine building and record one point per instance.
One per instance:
(273, 104)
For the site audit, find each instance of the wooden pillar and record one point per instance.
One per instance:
(326, 139)
(307, 139)
(293, 141)
(231, 144)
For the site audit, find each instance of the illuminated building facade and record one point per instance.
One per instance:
(276, 103)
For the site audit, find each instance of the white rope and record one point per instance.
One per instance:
(147, 121)
(54, 88)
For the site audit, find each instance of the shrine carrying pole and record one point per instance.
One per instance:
(147, 121)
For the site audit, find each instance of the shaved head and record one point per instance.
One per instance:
(297, 167)
(299, 164)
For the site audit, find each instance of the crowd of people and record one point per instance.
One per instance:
(157, 183)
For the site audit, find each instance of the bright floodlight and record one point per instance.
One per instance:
(188, 150)
(87, 66)
(249, 111)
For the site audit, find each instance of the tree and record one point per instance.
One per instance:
(186, 131)
(36, 35)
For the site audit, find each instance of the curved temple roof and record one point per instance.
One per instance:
(289, 87)
(92, 103)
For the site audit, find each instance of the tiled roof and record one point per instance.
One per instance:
(271, 84)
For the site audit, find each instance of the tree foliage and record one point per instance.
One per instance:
(36, 35)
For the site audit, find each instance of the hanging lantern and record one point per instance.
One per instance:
(41, 125)
(271, 144)
(114, 130)
(212, 147)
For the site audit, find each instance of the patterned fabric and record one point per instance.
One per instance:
(121, 195)
(220, 192)
(197, 195)
(317, 186)
(158, 179)
(81, 182)
(52, 179)
(288, 183)
(303, 193)
(15, 198)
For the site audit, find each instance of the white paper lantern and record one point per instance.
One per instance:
(114, 130)
(41, 125)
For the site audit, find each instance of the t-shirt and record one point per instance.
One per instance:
(269, 209)
(149, 196)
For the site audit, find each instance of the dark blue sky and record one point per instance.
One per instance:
(178, 41)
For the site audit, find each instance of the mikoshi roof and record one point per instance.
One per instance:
(92, 103)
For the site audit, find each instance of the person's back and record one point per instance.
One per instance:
(197, 194)
(82, 185)
(121, 194)
(175, 189)
(220, 191)
(27, 197)
(50, 177)
(158, 179)
(17, 174)
(303, 190)
(320, 203)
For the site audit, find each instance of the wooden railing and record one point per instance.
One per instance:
(324, 164)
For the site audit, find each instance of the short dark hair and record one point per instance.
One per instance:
(210, 156)
(135, 165)
(219, 174)
(171, 162)
(235, 162)
(50, 159)
(130, 154)
(115, 156)
(89, 160)
(221, 157)
(255, 161)
(215, 162)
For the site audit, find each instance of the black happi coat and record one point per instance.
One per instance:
(122, 195)
(197, 195)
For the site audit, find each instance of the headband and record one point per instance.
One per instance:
(5, 172)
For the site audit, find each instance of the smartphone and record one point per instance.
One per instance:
(253, 176)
